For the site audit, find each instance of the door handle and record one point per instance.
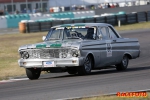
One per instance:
(114, 40)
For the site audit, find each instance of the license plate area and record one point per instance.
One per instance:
(48, 64)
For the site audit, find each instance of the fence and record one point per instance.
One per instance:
(113, 19)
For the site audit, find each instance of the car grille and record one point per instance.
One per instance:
(45, 53)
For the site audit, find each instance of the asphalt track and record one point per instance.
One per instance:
(62, 85)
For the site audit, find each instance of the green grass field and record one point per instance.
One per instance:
(9, 56)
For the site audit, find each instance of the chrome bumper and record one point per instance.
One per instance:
(59, 62)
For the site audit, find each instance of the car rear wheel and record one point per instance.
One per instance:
(87, 66)
(124, 64)
(72, 70)
(33, 74)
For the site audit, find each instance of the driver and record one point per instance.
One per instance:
(80, 35)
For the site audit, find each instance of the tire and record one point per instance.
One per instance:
(87, 66)
(33, 74)
(72, 71)
(123, 64)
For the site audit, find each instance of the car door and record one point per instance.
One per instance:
(106, 49)
(116, 45)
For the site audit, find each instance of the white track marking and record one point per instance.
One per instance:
(13, 80)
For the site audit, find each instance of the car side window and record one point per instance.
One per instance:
(104, 32)
(112, 33)
(56, 34)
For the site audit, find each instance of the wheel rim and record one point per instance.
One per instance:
(125, 61)
(87, 64)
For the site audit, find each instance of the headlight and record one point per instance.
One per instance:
(24, 55)
(75, 53)
(62, 55)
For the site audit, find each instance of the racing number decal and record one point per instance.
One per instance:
(108, 49)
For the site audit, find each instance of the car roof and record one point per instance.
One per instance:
(82, 24)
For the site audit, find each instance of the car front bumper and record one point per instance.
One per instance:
(58, 62)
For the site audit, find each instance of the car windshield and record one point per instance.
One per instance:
(81, 32)
(54, 34)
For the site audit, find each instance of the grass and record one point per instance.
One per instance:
(9, 44)
(141, 25)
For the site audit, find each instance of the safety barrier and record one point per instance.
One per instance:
(45, 26)
(141, 16)
(100, 19)
(122, 18)
(83, 13)
(67, 21)
(112, 19)
(79, 20)
(89, 20)
(12, 21)
(3, 22)
(148, 16)
(33, 27)
(132, 18)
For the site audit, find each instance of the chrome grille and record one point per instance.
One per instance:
(45, 53)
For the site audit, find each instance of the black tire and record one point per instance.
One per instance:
(72, 70)
(87, 66)
(33, 74)
(123, 64)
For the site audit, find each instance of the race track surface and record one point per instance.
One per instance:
(62, 85)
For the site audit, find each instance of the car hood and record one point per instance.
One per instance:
(53, 44)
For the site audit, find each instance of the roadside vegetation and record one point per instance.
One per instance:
(137, 26)
(9, 44)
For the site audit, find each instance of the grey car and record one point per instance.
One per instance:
(77, 49)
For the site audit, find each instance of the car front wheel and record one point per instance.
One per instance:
(123, 64)
(72, 70)
(32, 73)
(87, 66)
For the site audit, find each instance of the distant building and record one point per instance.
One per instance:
(22, 5)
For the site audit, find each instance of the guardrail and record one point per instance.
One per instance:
(111, 19)
(11, 21)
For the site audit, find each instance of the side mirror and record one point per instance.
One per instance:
(43, 38)
(100, 36)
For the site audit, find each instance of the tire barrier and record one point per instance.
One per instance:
(79, 20)
(148, 16)
(56, 22)
(90, 20)
(132, 18)
(45, 25)
(33, 27)
(122, 18)
(141, 16)
(67, 21)
(111, 20)
(100, 19)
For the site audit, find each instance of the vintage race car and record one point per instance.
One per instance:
(78, 48)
